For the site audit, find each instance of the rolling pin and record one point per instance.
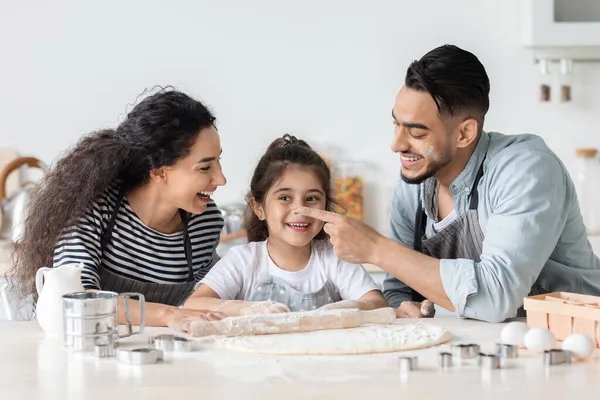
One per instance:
(266, 324)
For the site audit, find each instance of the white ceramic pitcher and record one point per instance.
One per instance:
(51, 284)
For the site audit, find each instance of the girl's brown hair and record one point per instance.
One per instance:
(282, 153)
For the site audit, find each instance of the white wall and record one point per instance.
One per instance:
(323, 70)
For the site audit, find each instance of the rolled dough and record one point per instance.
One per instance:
(361, 340)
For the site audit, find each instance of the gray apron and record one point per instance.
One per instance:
(270, 288)
(463, 238)
(173, 294)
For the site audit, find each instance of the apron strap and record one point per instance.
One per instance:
(474, 202)
(421, 222)
(187, 244)
(107, 235)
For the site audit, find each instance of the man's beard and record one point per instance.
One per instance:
(431, 171)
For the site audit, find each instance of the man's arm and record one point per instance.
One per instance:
(530, 195)
(416, 270)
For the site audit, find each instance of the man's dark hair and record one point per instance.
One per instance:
(455, 79)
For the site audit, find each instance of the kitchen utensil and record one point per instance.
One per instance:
(507, 350)
(14, 208)
(170, 343)
(556, 357)
(489, 361)
(445, 360)
(105, 350)
(51, 284)
(461, 351)
(291, 322)
(182, 344)
(92, 318)
(407, 363)
(139, 356)
(13, 181)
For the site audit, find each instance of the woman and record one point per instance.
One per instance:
(133, 205)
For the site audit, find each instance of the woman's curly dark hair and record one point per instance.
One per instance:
(157, 132)
(282, 153)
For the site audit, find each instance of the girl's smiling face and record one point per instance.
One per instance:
(298, 187)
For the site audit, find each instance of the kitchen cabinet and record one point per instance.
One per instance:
(561, 29)
(560, 23)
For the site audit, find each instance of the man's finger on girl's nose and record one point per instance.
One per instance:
(325, 216)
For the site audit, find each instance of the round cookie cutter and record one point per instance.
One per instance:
(139, 356)
(170, 343)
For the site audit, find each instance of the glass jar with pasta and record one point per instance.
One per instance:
(349, 189)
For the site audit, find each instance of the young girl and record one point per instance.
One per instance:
(288, 264)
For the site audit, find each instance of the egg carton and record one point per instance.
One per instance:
(565, 313)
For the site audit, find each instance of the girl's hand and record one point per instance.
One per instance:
(263, 307)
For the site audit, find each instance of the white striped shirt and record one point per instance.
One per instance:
(136, 251)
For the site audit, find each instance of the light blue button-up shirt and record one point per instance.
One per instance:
(529, 214)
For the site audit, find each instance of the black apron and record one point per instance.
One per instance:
(173, 294)
(463, 238)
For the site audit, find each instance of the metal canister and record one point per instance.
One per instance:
(90, 319)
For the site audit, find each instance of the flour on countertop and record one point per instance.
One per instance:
(361, 340)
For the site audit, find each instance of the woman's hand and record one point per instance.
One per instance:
(181, 318)
(262, 307)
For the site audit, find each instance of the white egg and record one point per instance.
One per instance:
(514, 333)
(582, 346)
(539, 340)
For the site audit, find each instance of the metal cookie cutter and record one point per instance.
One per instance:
(556, 357)
(139, 356)
(105, 350)
(489, 361)
(407, 363)
(170, 343)
(461, 351)
(507, 350)
(508, 354)
(445, 360)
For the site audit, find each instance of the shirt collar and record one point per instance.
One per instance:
(462, 183)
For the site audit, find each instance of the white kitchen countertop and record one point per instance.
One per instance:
(35, 366)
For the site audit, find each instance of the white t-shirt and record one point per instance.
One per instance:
(441, 225)
(232, 277)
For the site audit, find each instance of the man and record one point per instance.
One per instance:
(479, 220)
